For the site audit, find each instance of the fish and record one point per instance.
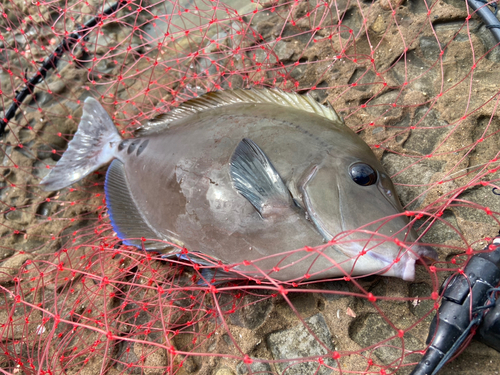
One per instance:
(245, 178)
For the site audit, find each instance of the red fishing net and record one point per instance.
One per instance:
(417, 80)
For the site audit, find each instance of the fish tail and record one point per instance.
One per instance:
(93, 145)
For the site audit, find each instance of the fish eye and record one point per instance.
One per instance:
(363, 174)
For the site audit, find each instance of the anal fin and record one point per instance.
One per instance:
(127, 221)
(255, 178)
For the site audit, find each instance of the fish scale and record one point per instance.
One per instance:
(248, 175)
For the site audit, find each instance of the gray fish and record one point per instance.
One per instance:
(246, 177)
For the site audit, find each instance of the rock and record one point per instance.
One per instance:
(6, 253)
(253, 313)
(390, 4)
(430, 48)
(57, 86)
(429, 131)
(419, 307)
(334, 290)
(18, 216)
(155, 359)
(418, 175)
(371, 329)
(127, 358)
(283, 50)
(298, 342)
(255, 367)
(380, 24)
(190, 365)
(13, 265)
(224, 371)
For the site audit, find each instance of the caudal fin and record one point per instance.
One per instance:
(92, 146)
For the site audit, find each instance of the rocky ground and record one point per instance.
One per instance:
(429, 116)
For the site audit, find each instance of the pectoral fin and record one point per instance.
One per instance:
(257, 180)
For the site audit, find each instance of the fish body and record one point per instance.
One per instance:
(248, 175)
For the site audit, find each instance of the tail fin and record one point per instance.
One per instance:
(92, 146)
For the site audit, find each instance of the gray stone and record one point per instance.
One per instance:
(428, 133)
(13, 265)
(224, 371)
(421, 172)
(19, 216)
(334, 290)
(372, 329)
(483, 196)
(430, 48)
(297, 342)
(57, 86)
(255, 367)
(363, 78)
(251, 313)
(283, 50)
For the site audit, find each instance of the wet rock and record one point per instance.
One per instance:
(363, 78)
(298, 342)
(487, 133)
(476, 223)
(255, 367)
(264, 57)
(382, 105)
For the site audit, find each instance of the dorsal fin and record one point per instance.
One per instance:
(217, 99)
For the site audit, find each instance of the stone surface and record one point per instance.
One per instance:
(255, 367)
(298, 342)
(12, 265)
(224, 371)
(372, 329)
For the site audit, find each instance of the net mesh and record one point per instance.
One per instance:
(417, 80)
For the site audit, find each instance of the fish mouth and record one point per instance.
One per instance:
(417, 252)
(405, 268)
(424, 253)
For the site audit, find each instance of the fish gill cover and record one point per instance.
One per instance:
(417, 80)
